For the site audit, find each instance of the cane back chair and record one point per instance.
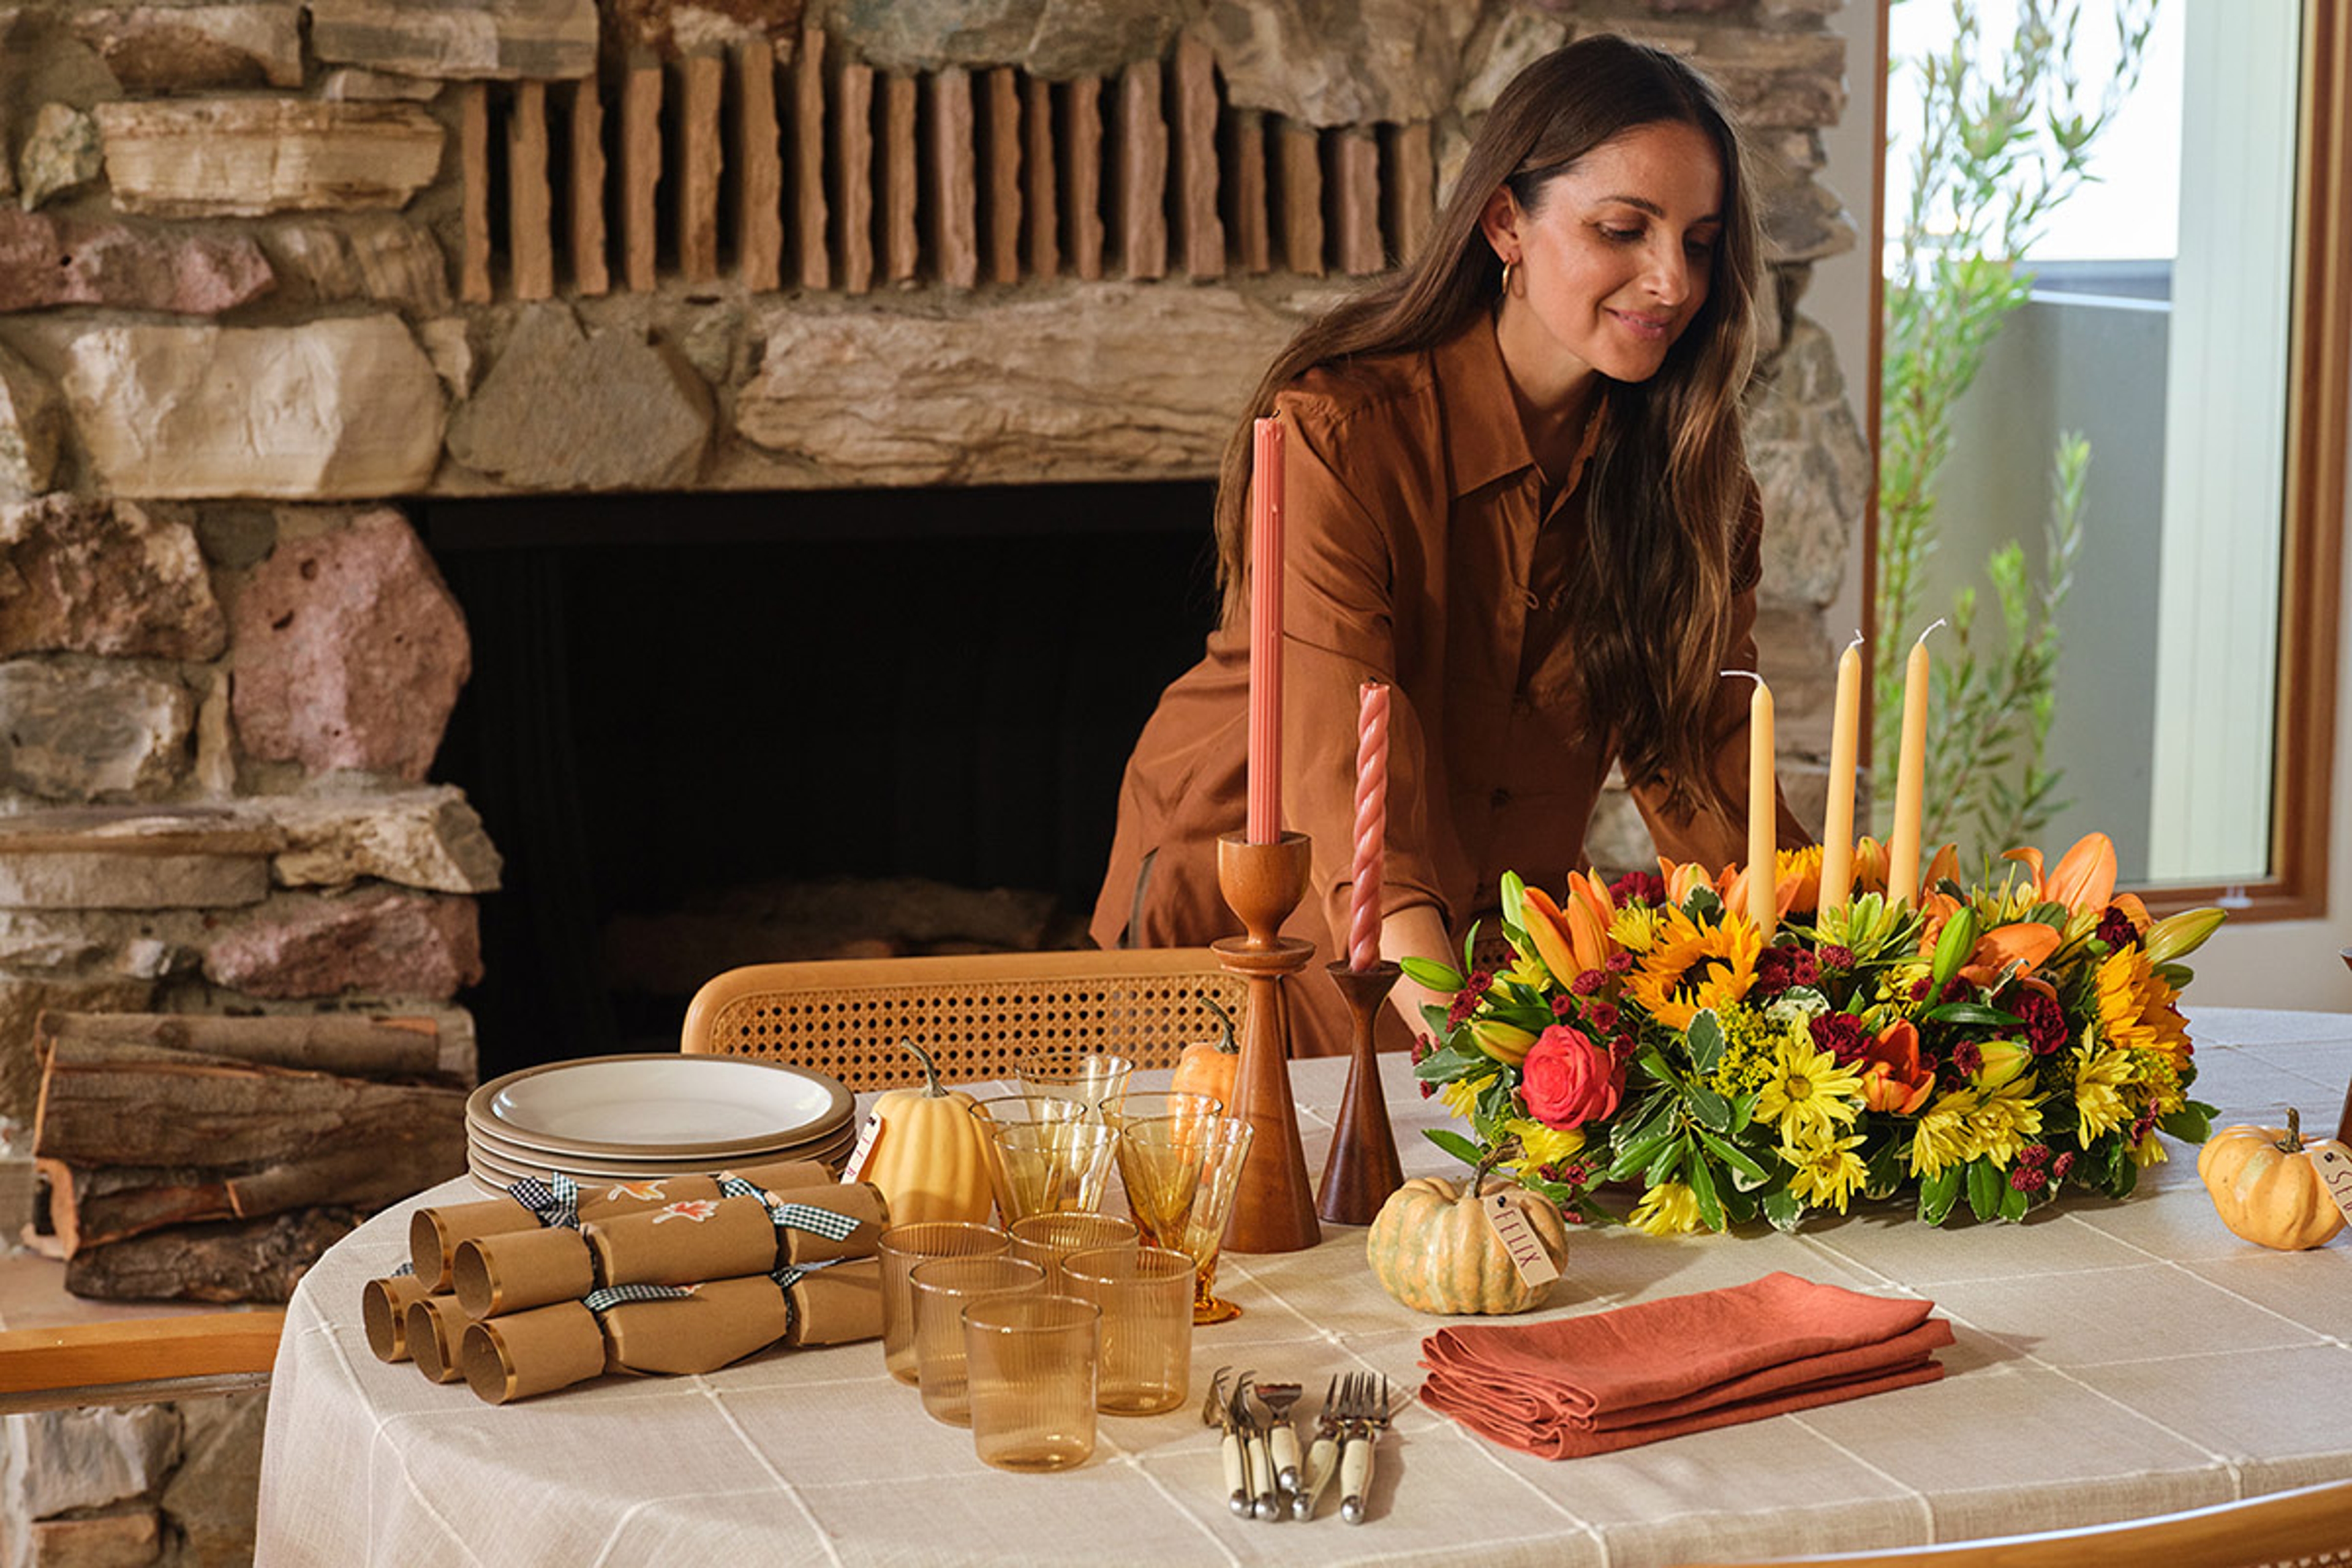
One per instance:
(977, 1015)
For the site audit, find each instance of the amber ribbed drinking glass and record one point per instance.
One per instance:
(1032, 1362)
(901, 1248)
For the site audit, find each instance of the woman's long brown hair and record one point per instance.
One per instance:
(1664, 491)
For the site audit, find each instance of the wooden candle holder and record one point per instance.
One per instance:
(1362, 1170)
(1273, 1209)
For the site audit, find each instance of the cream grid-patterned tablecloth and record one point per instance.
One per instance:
(2113, 1360)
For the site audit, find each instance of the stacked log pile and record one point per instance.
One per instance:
(214, 1159)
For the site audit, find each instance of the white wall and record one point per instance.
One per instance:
(2272, 963)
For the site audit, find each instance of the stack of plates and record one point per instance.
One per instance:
(639, 1117)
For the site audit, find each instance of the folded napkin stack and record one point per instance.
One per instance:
(533, 1295)
(1614, 1380)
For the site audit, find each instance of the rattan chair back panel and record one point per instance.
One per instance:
(978, 1016)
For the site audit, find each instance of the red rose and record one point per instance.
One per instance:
(1567, 1080)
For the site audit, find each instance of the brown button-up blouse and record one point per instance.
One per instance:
(1417, 552)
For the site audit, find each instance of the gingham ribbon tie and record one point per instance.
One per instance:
(555, 1202)
(793, 1216)
(610, 1296)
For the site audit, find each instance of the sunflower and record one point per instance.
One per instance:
(1670, 1208)
(1694, 964)
(1807, 1094)
(2135, 1010)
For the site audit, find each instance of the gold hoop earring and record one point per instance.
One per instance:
(1508, 268)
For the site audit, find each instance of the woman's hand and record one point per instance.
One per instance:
(1415, 931)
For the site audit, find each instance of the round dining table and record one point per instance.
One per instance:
(2111, 1360)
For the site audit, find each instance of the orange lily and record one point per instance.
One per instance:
(1684, 881)
(1938, 908)
(2023, 942)
(2085, 877)
(1548, 928)
(1869, 866)
(1797, 880)
(1945, 866)
(1892, 1078)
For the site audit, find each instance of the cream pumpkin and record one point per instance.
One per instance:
(1433, 1249)
(929, 1155)
(2266, 1187)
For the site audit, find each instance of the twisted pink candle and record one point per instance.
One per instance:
(1371, 826)
(1264, 824)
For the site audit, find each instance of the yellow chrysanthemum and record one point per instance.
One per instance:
(2005, 1120)
(2149, 1150)
(1528, 970)
(1461, 1096)
(1941, 1138)
(1827, 1174)
(1635, 928)
(2135, 1010)
(2100, 1077)
(1540, 1146)
(1806, 1094)
(1694, 965)
(1670, 1208)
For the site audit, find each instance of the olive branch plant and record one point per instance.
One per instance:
(2003, 140)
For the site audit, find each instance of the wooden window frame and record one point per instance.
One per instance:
(2319, 409)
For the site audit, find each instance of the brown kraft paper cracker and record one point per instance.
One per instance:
(684, 1243)
(783, 1174)
(436, 1324)
(721, 1321)
(527, 1353)
(860, 1201)
(495, 1275)
(384, 1313)
(433, 1232)
(839, 1305)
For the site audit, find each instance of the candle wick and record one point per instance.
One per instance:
(1755, 676)
(1857, 639)
(1938, 624)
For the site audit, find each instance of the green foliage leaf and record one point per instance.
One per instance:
(1973, 1012)
(1938, 1193)
(1454, 1143)
(1704, 1040)
(2192, 1123)
(2013, 1202)
(1711, 1109)
(1986, 1183)
(1781, 1208)
(1702, 1185)
(1746, 1174)
(1451, 1063)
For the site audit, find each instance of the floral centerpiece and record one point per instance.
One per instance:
(1991, 1044)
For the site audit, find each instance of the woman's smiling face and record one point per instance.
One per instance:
(1614, 258)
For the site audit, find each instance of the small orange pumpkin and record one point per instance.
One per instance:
(1432, 1249)
(2266, 1187)
(1209, 1066)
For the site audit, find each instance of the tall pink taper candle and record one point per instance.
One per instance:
(1371, 826)
(1264, 824)
(1837, 824)
(1910, 782)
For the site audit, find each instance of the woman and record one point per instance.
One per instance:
(1516, 491)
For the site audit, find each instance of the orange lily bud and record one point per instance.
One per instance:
(1944, 868)
(1593, 894)
(1869, 866)
(1683, 880)
(1548, 930)
(1892, 1078)
(2025, 943)
(2086, 877)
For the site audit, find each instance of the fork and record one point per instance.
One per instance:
(1214, 1413)
(1368, 1418)
(1323, 1458)
(1258, 1459)
(1282, 1438)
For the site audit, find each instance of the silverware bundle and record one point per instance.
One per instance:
(1264, 1475)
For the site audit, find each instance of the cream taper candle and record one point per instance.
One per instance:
(1264, 823)
(1910, 781)
(1763, 839)
(1837, 819)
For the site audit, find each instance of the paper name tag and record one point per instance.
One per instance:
(856, 1170)
(2333, 1161)
(1518, 1239)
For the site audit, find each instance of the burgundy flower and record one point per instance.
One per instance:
(1840, 1034)
(1638, 887)
(1805, 968)
(1602, 1016)
(1620, 962)
(1563, 1007)
(2045, 1021)
(2061, 1165)
(1955, 990)
(2115, 929)
(1966, 1056)
(1919, 987)
(1465, 1002)
(2029, 1178)
(1836, 959)
(1481, 981)
(2035, 1154)
(1586, 983)
(1427, 1089)
(1776, 971)
(1420, 1049)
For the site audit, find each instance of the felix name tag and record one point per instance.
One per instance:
(1518, 1239)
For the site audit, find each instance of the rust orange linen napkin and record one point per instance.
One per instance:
(1619, 1379)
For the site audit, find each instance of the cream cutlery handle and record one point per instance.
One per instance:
(1261, 1463)
(1322, 1464)
(1237, 1493)
(1355, 1479)
(1285, 1439)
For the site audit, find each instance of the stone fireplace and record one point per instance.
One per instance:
(297, 301)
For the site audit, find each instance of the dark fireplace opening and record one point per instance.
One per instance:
(691, 718)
